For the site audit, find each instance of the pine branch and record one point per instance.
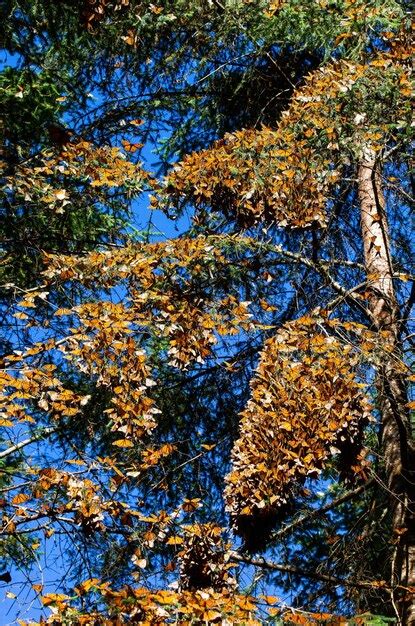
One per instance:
(299, 571)
(36, 437)
(320, 511)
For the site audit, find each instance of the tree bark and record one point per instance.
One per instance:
(396, 435)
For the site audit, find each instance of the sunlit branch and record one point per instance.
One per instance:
(36, 437)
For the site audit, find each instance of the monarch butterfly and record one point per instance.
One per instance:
(130, 147)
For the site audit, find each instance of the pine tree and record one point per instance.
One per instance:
(295, 275)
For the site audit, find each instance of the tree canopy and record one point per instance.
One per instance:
(214, 424)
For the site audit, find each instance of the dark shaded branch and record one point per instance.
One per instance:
(299, 571)
(320, 511)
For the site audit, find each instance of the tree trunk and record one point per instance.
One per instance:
(396, 436)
